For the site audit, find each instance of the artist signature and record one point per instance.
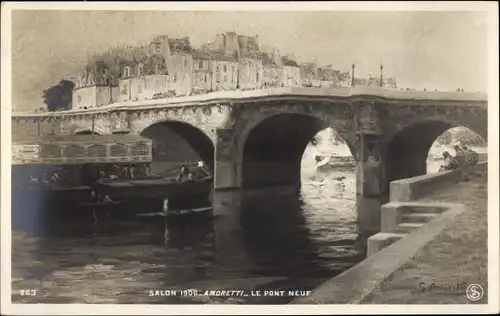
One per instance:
(458, 287)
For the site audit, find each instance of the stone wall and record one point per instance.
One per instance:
(410, 189)
(85, 96)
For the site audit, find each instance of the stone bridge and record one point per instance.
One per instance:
(256, 138)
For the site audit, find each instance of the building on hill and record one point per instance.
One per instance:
(224, 72)
(291, 72)
(180, 65)
(250, 73)
(231, 43)
(98, 84)
(248, 46)
(202, 76)
(309, 74)
(272, 71)
(250, 63)
(245, 50)
(329, 76)
(168, 67)
(164, 68)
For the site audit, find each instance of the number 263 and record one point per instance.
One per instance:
(28, 292)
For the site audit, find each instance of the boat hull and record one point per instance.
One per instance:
(135, 198)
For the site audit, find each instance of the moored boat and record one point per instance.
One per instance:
(336, 163)
(182, 212)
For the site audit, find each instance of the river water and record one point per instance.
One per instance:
(285, 242)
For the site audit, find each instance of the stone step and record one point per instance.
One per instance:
(380, 241)
(408, 227)
(422, 209)
(417, 217)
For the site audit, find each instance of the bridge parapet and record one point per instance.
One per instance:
(261, 94)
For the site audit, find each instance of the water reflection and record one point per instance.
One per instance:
(282, 241)
(277, 238)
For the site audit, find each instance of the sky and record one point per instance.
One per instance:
(433, 50)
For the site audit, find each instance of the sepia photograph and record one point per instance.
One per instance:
(243, 157)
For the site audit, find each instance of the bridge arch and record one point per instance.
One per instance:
(270, 149)
(181, 139)
(408, 149)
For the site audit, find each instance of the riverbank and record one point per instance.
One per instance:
(442, 270)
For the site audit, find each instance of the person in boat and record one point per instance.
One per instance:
(95, 196)
(125, 173)
(46, 181)
(113, 176)
(184, 174)
(54, 179)
(200, 171)
(131, 171)
(107, 199)
(33, 180)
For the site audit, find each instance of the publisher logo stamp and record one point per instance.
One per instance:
(474, 292)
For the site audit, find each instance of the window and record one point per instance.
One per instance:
(175, 77)
(200, 64)
(225, 68)
(157, 48)
(140, 69)
(124, 89)
(205, 78)
(126, 72)
(257, 77)
(218, 68)
(139, 88)
(185, 63)
(225, 78)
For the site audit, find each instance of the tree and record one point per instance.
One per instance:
(59, 96)
(445, 139)
(468, 137)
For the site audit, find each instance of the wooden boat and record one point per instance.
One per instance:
(336, 163)
(158, 189)
(135, 196)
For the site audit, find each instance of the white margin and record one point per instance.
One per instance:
(87, 309)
